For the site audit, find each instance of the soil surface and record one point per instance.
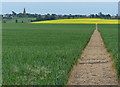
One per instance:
(95, 65)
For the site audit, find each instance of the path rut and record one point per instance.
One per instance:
(95, 65)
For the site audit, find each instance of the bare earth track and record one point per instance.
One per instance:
(95, 65)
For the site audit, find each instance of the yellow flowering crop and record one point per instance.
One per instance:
(82, 21)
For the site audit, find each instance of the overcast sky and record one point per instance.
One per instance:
(61, 7)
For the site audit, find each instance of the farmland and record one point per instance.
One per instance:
(81, 21)
(42, 54)
(20, 20)
(110, 36)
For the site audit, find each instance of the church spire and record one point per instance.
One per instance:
(24, 12)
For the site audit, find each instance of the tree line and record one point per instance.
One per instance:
(40, 17)
(70, 16)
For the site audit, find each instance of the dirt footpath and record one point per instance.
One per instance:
(95, 65)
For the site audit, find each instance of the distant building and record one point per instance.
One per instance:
(24, 11)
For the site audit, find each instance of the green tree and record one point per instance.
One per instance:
(16, 21)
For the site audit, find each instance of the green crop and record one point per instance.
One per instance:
(42, 54)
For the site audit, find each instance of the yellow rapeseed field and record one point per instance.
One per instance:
(82, 21)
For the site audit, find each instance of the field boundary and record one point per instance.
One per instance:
(79, 56)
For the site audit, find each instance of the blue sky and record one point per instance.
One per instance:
(61, 7)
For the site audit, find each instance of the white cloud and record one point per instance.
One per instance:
(60, 0)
